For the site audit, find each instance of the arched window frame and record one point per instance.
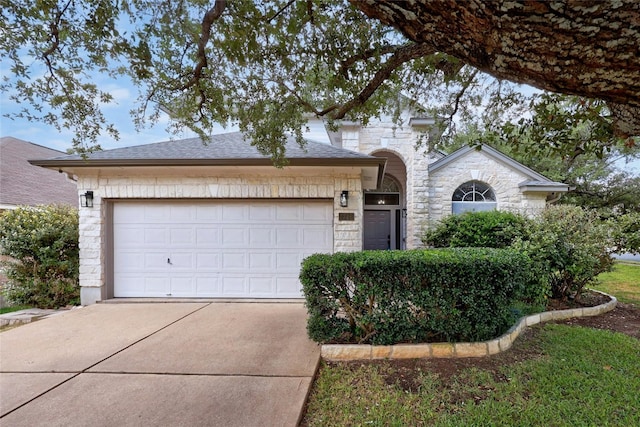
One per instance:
(390, 185)
(473, 196)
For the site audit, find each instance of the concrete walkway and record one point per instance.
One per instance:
(169, 364)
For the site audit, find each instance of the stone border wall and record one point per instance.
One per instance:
(345, 352)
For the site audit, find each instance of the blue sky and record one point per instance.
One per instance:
(125, 96)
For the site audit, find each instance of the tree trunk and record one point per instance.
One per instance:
(589, 48)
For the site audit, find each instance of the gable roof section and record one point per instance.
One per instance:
(24, 184)
(535, 181)
(230, 149)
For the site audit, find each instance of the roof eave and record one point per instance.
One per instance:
(89, 163)
(545, 188)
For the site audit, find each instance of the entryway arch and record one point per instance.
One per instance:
(385, 208)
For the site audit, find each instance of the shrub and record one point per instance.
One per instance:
(490, 229)
(625, 232)
(571, 245)
(388, 297)
(42, 243)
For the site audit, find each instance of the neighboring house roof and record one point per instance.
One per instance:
(535, 181)
(230, 149)
(24, 184)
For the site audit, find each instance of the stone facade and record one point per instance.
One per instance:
(477, 166)
(384, 139)
(200, 183)
(427, 195)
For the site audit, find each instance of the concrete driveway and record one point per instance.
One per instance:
(170, 364)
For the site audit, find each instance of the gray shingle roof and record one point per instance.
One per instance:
(224, 147)
(25, 184)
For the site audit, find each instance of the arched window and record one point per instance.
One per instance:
(473, 196)
(390, 185)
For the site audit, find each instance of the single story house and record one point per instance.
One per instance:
(184, 219)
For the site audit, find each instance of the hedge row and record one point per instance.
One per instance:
(42, 245)
(388, 297)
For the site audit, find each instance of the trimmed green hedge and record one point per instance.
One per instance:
(388, 297)
(490, 229)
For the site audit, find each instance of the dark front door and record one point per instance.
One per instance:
(377, 229)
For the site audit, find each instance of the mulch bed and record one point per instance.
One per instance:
(625, 318)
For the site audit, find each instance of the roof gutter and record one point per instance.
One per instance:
(92, 163)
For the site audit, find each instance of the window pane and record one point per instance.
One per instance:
(381, 199)
(473, 196)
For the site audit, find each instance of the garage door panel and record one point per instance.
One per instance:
(156, 213)
(315, 236)
(183, 236)
(314, 214)
(235, 237)
(151, 285)
(157, 235)
(234, 261)
(260, 286)
(157, 286)
(127, 214)
(182, 286)
(234, 212)
(262, 237)
(131, 237)
(207, 261)
(288, 286)
(208, 213)
(288, 213)
(208, 237)
(235, 248)
(261, 213)
(261, 261)
(128, 261)
(181, 213)
(289, 238)
(182, 261)
(234, 285)
(156, 261)
(288, 261)
(208, 286)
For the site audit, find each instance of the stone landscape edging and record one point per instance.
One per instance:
(346, 352)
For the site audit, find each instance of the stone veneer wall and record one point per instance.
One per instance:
(401, 141)
(206, 183)
(476, 166)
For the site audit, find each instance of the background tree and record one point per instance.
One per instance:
(568, 139)
(268, 65)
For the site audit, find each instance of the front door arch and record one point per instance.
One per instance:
(384, 222)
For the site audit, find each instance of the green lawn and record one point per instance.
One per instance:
(577, 377)
(4, 310)
(623, 282)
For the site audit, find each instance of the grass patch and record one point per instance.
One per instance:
(4, 310)
(623, 282)
(582, 377)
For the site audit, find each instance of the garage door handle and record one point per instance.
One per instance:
(168, 260)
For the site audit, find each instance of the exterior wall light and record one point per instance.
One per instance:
(86, 199)
(344, 199)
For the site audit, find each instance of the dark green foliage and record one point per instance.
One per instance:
(387, 297)
(491, 229)
(626, 232)
(42, 243)
(571, 245)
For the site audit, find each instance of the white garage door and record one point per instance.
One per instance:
(250, 249)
